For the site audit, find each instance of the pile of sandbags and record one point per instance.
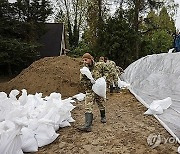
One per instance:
(31, 121)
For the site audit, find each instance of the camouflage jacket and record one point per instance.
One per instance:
(119, 70)
(111, 65)
(98, 69)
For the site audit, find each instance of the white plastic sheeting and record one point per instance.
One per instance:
(31, 121)
(156, 77)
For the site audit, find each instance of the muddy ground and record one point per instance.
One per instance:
(126, 131)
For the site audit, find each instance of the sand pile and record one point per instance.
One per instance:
(47, 75)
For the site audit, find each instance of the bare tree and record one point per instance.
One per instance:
(73, 14)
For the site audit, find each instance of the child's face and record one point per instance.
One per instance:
(87, 61)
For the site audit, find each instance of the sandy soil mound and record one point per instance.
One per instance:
(47, 75)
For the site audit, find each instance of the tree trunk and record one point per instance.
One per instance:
(136, 26)
(75, 30)
(69, 24)
(100, 26)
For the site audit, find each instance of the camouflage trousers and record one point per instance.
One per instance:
(92, 98)
(113, 78)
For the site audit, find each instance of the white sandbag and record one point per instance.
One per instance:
(45, 133)
(29, 143)
(70, 119)
(165, 103)
(53, 95)
(52, 117)
(23, 98)
(39, 99)
(65, 119)
(5, 108)
(67, 100)
(17, 112)
(72, 101)
(36, 100)
(50, 110)
(33, 124)
(10, 141)
(64, 124)
(122, 84)
(3, 96)
(56, 111)
(39, 95)
(33, 106)
(80, 96)
(13, 94)
(171, 50)
(154, 109)
(67, 106)
(157, 106)
(21, 121)
(86, 72)
(100, 87)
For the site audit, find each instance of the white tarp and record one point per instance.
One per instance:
(156, 77)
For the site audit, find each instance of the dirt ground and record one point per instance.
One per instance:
(126, 130)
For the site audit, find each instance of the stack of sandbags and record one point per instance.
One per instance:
(32, 116)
